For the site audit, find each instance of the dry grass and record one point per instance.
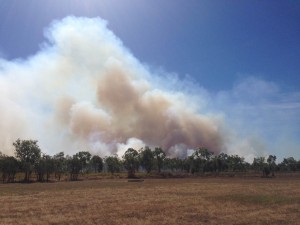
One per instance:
(154, 201)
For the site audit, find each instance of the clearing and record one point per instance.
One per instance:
(154, 201)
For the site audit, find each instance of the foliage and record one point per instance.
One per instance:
(159, 156)
(29, 153)
(113, 164)
(131, 161)
(174, 164)
(9, 166)
(258, 163)
(44, 167)
(236, 163)
(97, 163)
(288, 164)
(272, 163)
(84, 158)
(74, 166)
(28, 159)
(147, 159)
(60, 164)
(201, 160)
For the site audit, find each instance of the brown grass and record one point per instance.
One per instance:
(154, 201)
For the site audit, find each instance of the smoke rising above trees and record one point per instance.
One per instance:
(84, 89)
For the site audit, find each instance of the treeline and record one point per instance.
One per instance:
(30, 160)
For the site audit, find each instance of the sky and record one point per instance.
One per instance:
(234, 61)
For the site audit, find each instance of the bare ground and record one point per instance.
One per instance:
(154, 201)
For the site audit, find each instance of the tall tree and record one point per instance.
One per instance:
(258, 163)
(222, 162)
(60, 164)
(159, 156)
(84, 158)
(113, 164)
(44, 167)
(147, 159)
(131, 161)
(236, 163)
(97, 163)
(74, 167)
(288, 164)
(28, 152)
(272, 163)
(9, 166)
(201, 160)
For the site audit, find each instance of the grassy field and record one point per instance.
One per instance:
(154, 201)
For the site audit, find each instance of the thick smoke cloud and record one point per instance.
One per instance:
(85, 91)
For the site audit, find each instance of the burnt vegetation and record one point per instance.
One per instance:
(37, 166)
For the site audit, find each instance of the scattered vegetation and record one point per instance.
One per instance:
(30, 160)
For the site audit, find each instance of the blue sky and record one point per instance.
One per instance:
(215, 42)
(242, 55)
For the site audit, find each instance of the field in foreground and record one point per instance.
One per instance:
(154, 201)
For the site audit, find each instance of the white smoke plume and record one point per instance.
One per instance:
(85, 91)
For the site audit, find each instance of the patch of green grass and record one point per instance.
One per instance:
(259, 199)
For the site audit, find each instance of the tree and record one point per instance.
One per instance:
(74, 167)
(236, 163)
(60, 164)
(1, 161)
(204, 153)
(131, 161)
(258, 163)
(159, 156)
(222, 162)
(201, 160)
(9, 167)
(188, 164)
(271, 161)
(147, 159)
(28, 152)
(288, 164)
(44, 167)
(84, 158)
(173, 164)
(298, 165)
(97, 163)
(113, 164)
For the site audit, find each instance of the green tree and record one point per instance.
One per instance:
(131, 161)
(222, 162)
(28, 152)
(288, 164)
(113, 164)
(147, 159)
(74, 166)
(173, 164)
(84, 158)
(272, 163)
(1, 161)
(9, 166)
(159, 157)
(236, 163)
(204, 153)
(60, 164)
(188, 164)
(44, 167)
(97, 163)
(259, 163)
(298, 165)
(201, 160)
